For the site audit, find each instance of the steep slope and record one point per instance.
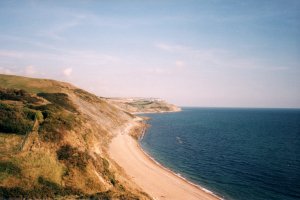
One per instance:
(54, 139)
(143, 105)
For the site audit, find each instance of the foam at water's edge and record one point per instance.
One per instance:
(142, 135)
(176, 174)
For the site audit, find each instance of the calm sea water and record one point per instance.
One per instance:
(251, 154)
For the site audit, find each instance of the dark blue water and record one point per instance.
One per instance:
(251, 154)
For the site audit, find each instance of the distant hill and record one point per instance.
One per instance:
(54, 139)
(143, 105)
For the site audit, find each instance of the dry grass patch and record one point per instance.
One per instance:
(10, 143)
(36, 164)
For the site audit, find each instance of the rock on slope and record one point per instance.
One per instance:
(54, 139)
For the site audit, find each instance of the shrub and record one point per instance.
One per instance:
(56, 122)
(47, 108)
(100, 195)
(14, 192)
(72, 156)
(86, 95)
(107, 173)
(50, 185)
(14, 119)
(39, 116)
(29, 113)
(55, 125)
(9, 168)
(47, 190)
(60, 99)
(107, 195)
(17, 95)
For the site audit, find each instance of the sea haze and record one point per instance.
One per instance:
(236, 153)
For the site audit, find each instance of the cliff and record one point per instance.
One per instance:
(143, 105)
(54, 139)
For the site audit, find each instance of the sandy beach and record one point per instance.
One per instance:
(157, 181)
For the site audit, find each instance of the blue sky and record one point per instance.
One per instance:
(192, 52)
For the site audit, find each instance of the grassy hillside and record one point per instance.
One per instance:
(33, 85)
(53, 142)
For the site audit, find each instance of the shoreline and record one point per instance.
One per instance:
(179, 175)
(156, 112)
(152, 177)
(140, 138)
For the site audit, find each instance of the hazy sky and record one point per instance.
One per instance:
(243, 53)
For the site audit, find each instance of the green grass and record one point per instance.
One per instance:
(10, 143)
(32, 85)
(36, 164)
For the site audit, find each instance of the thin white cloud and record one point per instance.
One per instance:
(179, 64)
(158, 71)
(170, 48)
(30, 70)
(11, 54)
(216, 57)
(67, 72)
(279, 68)
(65, 57)
(57, 31)
(5, 71)
(28, 41)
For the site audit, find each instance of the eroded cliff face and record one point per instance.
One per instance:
(54, 139)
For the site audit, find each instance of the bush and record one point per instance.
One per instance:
(17, 95)
(29, 113)
(56, 122)
(46, 108)
(72, 156)
(50, 185)
(47, 190)
(15, 192)
(14, 119)
(108, 174)
(86, 95)
(55, 125)
(60, 99)
(39, 116)
(100, 195)
(110, 195)
(9, 168)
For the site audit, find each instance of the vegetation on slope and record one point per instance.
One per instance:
(15, 119)
(52, 148)
(19, 110)
(60, 99)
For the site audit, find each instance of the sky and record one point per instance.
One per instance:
(208, 53)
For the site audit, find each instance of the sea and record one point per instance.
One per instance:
(236, 153)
